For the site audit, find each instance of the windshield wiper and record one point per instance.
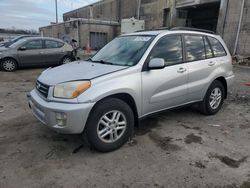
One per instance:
(101, 61)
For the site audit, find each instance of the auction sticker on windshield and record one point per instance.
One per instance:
(145, 39)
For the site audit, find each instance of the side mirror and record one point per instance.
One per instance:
(156, 63)
(22, 48)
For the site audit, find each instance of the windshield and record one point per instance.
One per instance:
(12, 41)
(17, 43)
(15, 39)
(124, 50)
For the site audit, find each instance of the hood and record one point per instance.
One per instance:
(79, 70)
(2, 48)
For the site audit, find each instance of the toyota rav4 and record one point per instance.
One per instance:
(133, 76)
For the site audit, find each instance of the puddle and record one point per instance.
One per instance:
(230, 161)
(191, 138)
(165, 143)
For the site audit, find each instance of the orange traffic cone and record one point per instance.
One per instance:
(88, 49)
(247, 83)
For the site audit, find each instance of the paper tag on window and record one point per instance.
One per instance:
(144, 39)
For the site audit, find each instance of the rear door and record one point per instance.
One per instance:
(201, 65)
(31, 52)
(165, 88)
(53, 51)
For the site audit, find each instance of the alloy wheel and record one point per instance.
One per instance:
(215, 98)
(111, 126)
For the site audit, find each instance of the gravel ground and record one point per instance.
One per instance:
(180, 148)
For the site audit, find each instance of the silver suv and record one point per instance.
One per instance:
(133, 76)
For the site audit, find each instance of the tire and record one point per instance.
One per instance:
(214, 99)
(9, 65)
(100, 124)
(66, 59)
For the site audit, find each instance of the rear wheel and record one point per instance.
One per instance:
(110, 125)
(9, 65)
(214, 99)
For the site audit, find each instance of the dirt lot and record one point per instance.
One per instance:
(180, 148)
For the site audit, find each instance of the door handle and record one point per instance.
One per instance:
(181, 70)
(41, 52)
(211, 63)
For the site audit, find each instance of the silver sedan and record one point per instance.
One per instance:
(35, 51)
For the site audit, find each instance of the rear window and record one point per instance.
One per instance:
(217, 47)
(53, 44)
(195, 48)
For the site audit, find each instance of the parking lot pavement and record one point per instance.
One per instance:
(180, 148)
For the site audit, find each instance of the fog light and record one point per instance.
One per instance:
(61, 118)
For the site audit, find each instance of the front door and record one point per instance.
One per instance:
(30, 53)
(165, 88)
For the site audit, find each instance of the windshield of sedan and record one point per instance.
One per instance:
(124, 50)
(12, 41)
(17, 43)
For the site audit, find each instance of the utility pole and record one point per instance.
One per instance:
(56, 12)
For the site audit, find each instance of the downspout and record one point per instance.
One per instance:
(119, 11)
(78, 36)
(138, 9)
(224, 23)
(239, 27)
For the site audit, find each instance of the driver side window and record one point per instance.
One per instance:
(34, 44)
(168, 48)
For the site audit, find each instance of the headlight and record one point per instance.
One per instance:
(70, 90)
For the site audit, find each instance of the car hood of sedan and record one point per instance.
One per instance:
(2, 48)
(79, 70)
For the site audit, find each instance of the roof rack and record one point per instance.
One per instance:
(161, 28)
(191, 29)
(157, 29)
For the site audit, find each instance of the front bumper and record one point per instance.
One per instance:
(76, 114)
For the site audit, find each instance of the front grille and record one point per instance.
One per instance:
(43, 89)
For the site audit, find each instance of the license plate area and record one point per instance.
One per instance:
(37, 112)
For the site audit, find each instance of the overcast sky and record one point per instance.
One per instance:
(32, 14)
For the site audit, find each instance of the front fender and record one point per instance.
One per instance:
(122, 83)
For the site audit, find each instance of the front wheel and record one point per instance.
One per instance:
(214, 99)
(110, 125)
(9, 65)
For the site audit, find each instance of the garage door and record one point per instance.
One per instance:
(98, 40)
